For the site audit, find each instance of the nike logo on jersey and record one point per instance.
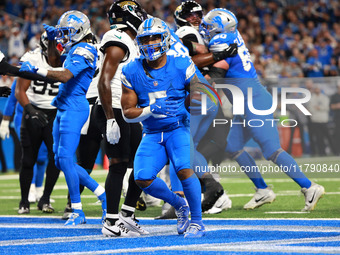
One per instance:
(311, 200)
(119, 37)
(116, 233)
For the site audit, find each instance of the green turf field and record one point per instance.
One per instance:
(288, 204)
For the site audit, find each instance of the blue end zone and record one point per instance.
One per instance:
(45, 235)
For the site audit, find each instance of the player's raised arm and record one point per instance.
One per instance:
(63, 75)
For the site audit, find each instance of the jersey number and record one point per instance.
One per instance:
(40, 88)
(152, 99)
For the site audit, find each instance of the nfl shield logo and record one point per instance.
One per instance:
(155, 83)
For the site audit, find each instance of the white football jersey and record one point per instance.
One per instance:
(121, 39)
(93, 89)
(40, 93)
(186, 30)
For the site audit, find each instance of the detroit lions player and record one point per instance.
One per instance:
(154, 90)
(219, 26)
(74, 33)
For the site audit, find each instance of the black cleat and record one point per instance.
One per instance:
(67, 212)
(211, 195)
(141, 205)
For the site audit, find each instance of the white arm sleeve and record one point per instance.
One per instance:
(146, 113)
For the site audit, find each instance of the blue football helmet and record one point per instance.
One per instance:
(150, 29)
(217, 21)
(72, 27)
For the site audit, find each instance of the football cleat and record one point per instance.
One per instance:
(195, 230)
(168, 214)
(182, 217)
(131, 223)
(140, 205)
(24, 208)
(223, 203)
(118, 229)
(67, 212)
(312, 196)
(261, 197)
(77, 217)
(211, 195)
(46, 208)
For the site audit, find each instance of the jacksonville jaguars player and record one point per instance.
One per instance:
(119, 48)
(36, 127)
(73, 32)
(220, 27)
(154, 90)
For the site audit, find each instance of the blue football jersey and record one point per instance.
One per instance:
(168, 82)
(241, 70)
(81, 61)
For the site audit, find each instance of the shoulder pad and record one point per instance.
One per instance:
(88, 52)
(185, 30)
(31, 56)
(221, 41)
(181, 61)
(113, 35)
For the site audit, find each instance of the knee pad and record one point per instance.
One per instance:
(275, 155)
(65, 163)
(27, 162)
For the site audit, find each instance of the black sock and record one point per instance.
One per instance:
(113, 186)
(52, 175)
(133, 192)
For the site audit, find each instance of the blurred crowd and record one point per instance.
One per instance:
(286, 38)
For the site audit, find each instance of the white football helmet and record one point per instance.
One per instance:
(72, 27)
(43, 43)
(153, 28)
(217, 21)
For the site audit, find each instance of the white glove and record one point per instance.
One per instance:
(2, 56)
(112, 131)
(4, 129)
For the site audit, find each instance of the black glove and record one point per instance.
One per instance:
(4, 65)
(5, 91)
(38, 117)
(229, 52)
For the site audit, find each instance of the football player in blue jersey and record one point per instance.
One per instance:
(219, 27)
(154, 91)
(73, 32)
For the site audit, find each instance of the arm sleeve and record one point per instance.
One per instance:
(11, 102)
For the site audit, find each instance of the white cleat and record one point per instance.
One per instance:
(312, 196)
(223, 203)
(261, 197)
(117, 230)
(131, 223)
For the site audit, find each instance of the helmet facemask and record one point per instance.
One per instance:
(153, 38)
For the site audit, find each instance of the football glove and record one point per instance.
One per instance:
(51, 32)
(229, 52)
(4, 129)
(38, 117)
(5, 91)
(27, 67)
(112, 131)
(164, 107)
